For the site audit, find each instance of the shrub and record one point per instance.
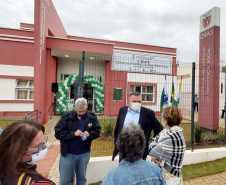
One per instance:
(215, 137)
(198, 134)
(108, 128)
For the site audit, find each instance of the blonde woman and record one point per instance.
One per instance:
(168, 147)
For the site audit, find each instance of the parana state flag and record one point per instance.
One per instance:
(176, 99)
(164, 98)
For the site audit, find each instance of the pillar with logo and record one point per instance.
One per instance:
(209, 62)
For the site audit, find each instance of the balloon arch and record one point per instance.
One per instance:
(64, 88)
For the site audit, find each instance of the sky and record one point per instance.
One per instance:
(168, 23)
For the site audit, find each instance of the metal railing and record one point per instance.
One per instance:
(33, 115)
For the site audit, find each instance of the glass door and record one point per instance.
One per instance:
(88, 94)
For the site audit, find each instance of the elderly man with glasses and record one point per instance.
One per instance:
(76, 130)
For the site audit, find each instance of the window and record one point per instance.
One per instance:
(25, 89)
(63, 77)
(146, 91)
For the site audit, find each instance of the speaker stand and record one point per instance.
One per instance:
(53, 106)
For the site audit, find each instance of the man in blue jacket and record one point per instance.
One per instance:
(76, 130)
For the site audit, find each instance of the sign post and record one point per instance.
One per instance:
(209, 62)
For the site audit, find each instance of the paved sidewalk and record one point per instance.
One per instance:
(218, 179)
(53, 145)
(49, 167)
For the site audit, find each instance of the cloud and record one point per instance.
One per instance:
(169, 23)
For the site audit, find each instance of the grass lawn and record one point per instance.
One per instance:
(104, 147)
(204, 169)
(5, 123)
(200, 170)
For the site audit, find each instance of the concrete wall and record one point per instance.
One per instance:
(67, 66)
(14, 70)
(16, 107)
(7, 89)
(8, 76)
(98, 167)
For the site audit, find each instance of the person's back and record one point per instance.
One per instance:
(138, 172)
(133, 169)
(196, 99)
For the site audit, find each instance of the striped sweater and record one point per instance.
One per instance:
(169, 145)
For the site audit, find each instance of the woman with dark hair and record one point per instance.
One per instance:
(22, 144)
(168, 147)
(132, 168)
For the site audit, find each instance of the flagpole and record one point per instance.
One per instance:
(192, 107)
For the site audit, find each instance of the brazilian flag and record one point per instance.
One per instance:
(173, 92)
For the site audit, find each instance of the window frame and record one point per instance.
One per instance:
(28, 88)
(154, 85)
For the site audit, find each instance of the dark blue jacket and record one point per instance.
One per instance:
(147, 121)
(67, 126)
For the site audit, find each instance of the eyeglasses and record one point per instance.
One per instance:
(39, 147)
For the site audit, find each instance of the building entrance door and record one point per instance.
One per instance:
(88, 93)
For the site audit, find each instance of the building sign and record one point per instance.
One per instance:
(210, 19)
(117, 95)
(209, 63)
(141, 62)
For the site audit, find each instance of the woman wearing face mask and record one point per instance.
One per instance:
(168, 147)
(22, 144)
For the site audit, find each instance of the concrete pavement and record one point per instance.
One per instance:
(53, 145)
(218, 179)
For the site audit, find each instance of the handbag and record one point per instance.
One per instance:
(171, 179)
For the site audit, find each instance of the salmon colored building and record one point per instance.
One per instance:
(37, 55)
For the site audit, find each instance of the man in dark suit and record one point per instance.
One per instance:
(135, 113)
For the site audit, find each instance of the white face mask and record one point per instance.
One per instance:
(135, 106)
(38, 156)
(163, 123)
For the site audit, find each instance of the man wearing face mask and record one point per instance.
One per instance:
(135, 113)
(76, 130)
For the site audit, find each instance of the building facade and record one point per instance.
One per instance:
(37, 55)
